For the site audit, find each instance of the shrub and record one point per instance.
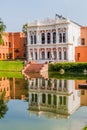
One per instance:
(68, 67)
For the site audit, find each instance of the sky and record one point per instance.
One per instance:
(15, 13)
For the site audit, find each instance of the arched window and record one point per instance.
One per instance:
(32, 55)
(35, 39)
(31, 39)
(54, 100)
(49, 55)
(35, 55)
(32, 97)
(65, 55)
(43, 98)
(43, 55)
(54, 37)
(48, 38)
(49, 99)
(43, 38)
(64, 37)
(60, 37)
(35, 97)
(55, 55)
(60, 55)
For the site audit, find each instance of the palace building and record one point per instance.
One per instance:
(52, 40)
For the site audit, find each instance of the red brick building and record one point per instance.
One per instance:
(81, 51)
(14, 46)
(17, 45)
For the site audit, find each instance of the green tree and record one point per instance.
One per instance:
(24, 28)
(2, 29)
(3, 106)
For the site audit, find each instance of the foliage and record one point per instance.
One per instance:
(85, 128)
(68, 67)
(24, 28)
(2, 29)
(74, 76)
(3, 106)
(3, 109)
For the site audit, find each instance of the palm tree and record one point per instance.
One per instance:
(2, 29)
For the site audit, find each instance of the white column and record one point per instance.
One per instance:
(40, 38)
(30, 98)
(46, 98)
(45, 54)
(62, 54)
(57, 97)
(51, 99)
(57, 54)
(45, 38)
(38, 83)
(28, 38)
(40, 56)
(46, 84)
(52, 55)
(51, 37)
(37, 35)
(57, 35)
(33, 55)
(37, 53)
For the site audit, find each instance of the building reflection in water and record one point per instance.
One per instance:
(14, 88)
(53, 95)
(11, 89)
(5, 87)
(19, 88)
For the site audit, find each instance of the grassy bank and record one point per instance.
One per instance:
(11, 74)
(13, 66)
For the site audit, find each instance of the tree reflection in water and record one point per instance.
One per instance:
(3, 106)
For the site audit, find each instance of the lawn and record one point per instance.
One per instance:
(14, 66)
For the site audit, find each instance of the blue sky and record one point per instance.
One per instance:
(15, 13)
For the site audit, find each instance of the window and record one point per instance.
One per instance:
(9, 44)
(78, 55)
(43, 38)
(49, 55)
(65, 55)
(35, 40)
(64, 37)
(36, 55)
(60, 37)
(48, 38)
(54, 37)
(60, 57)
(43, 55)
(55, 55)
(31, 39)
(83, 41)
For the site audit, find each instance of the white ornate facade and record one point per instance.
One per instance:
(52, 40)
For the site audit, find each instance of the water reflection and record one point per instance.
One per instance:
(11, 89)
(53, 95)
(46, 98)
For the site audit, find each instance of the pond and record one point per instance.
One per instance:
(37, 103)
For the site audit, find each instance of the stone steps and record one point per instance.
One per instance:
(35, 68)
